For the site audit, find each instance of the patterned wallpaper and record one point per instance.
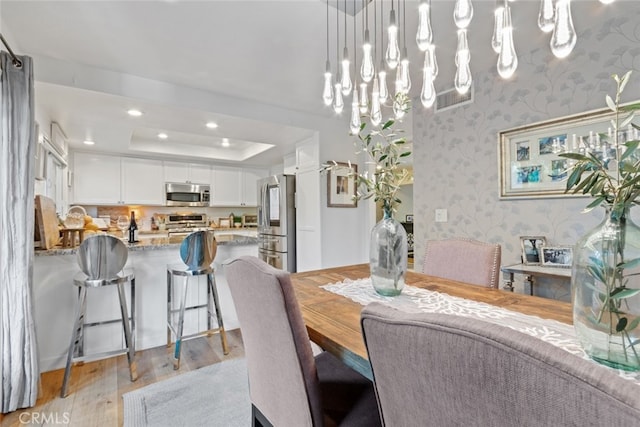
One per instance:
(456, 151)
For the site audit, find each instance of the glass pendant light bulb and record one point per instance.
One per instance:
(546, 16)
(431, 51)
(364, 99)
(338, 102)
(564, 34)
(507, 59)
(498, 13)
(392, 55)
(463, 78)
(398, 82)
(424, 36)
(376, 112)
(384, 91)
(428, 93)
(327, 93)
(405, 78)
(607, 1)
(367, 70)
(462, 13)
(354, 123)
(346, 77)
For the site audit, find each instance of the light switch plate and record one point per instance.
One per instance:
(441, 215)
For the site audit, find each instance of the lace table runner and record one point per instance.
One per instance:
(415, 300)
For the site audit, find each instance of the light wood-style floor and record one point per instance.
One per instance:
(96, 388)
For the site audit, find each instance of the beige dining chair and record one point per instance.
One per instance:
(464, 260)
(447, 370)
(287, 384)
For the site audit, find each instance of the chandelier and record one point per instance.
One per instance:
(554, 17)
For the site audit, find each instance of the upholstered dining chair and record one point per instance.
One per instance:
(287, 384)
(464, 260)
(447, 370)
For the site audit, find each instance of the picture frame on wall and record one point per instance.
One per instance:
(531, 246)
(529, 163)
(557, 256)
(341, 186)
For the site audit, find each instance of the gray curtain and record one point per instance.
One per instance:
(19, 362)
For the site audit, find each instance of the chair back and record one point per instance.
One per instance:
(283, 380)
(447, 370)
(198, 249)
(464, 260)
(102, 256)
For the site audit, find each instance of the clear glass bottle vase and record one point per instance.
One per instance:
(388, 255)
(605, 287)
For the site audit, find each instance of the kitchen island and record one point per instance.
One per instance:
(55, 297)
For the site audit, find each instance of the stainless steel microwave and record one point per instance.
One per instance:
(180, 194)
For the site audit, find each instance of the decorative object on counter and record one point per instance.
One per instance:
(123, 223)
(133, 228)
(606, 268)
(388, 246)
(531, 249)
(224, 223)
(342, 186)
(47, 232)
(556, 256)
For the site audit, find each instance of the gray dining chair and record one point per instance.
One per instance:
(463, 260)
(289, 386)
(447, 370)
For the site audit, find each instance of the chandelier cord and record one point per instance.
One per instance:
(327, 30)
(375, 30)
(355, 52)
(345, 23)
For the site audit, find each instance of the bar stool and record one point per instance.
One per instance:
(197, 251)
(101, 259)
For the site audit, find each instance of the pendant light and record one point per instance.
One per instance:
(338, 102)
(462, 13)
(393, 50)
(327, 93)
(424, 36)
(498, 20)
(346, 77)
(507, 59)
(546, 16)
(564, 34)
(403, 79)
(382, 71)
(367, 70)
(428, 92)
(463, 80)
(355, 122)
(375, 115)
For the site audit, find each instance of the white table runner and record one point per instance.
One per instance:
(415, 300)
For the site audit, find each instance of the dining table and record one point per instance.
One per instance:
(333, 320)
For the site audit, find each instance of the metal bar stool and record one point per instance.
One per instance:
(101, 259)
(197, 251)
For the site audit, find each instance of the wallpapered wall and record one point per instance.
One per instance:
(456, 151)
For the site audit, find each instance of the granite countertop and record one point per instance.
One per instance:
(155, 243)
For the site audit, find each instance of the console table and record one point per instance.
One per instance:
(531, 271)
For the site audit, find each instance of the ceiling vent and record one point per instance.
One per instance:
(452, 99)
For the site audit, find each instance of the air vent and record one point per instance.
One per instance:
(451, 99)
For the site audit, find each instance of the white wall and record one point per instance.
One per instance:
(455, 151)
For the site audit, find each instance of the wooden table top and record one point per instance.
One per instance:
(333, 321)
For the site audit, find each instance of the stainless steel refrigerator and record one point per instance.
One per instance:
(277, 221)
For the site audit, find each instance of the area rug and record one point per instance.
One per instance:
(216, 395)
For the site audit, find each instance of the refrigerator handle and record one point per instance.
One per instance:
(265, 187)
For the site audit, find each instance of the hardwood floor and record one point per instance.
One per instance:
(96, 388)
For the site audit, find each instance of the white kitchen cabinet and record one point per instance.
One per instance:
(196, 173)
(142, 181)
(111, 180)
(235, 186)
(305, 158)
(96, 179)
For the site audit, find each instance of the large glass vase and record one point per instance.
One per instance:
(606, 292)
(388, 255)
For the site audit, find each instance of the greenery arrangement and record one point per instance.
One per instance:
(385, 148)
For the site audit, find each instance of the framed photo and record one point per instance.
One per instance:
(341, 186)
(530, 165)
(531, 249)
(557, 256)
(408, 218)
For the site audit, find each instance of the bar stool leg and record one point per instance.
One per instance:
(169, 292)
(178, 347)
(127, 333)
(214, 292)
(75, 334)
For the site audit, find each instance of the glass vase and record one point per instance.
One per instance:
(388, 255)
(605, 287)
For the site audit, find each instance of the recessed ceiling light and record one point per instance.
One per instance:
(134, 113)
(212, 125)
(88, 142)
(225, 142)
(163, 135)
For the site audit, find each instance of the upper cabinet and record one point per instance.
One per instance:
(195, 173)
(109, 180)
(305, 158)
(235, 186)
